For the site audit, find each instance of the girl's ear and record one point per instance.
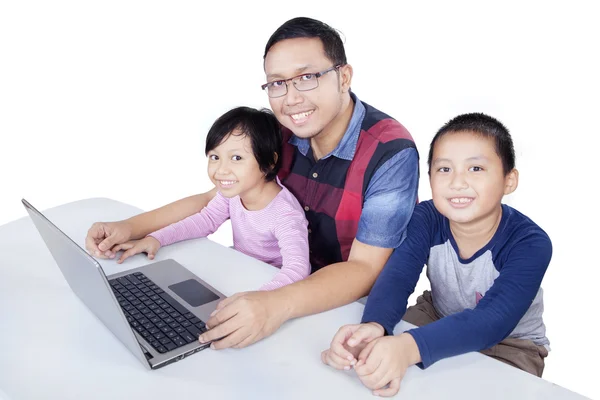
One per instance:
(275, 157)
(511, 181)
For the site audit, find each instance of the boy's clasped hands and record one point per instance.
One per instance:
(379, 361)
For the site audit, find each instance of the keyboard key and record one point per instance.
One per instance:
(174, 303)
(170, 346)
(161, 349)
(179, 341)
(133, 279)
(194, 331)
(188, 337)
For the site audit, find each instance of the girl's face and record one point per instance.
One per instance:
(467, 179)
(233, 169)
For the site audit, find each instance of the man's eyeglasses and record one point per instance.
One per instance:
(302, 83)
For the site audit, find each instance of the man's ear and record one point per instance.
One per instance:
(346, 77)
(511, 181)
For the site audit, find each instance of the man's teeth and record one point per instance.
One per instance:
(460, 200)
(301, 115)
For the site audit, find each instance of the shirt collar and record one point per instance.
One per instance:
(346, 148)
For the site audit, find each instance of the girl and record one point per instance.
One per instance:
(243, 148)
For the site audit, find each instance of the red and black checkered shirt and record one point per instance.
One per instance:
(332, 189)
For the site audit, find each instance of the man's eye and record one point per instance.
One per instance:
(307, 77)
(277, 84)
(444, 169)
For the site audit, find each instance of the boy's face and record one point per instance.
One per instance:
(467, 179)
(305, 113)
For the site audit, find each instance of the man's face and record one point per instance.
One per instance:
(305, 113)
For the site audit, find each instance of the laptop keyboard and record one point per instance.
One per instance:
(154, 314)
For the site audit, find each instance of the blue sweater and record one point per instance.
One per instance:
(493, 295)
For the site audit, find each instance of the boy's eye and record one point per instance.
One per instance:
(236, 158)
(475, 169)
(444, 169)
(213, 157)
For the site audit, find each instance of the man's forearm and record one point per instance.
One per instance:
(148, 222)
(330, 287)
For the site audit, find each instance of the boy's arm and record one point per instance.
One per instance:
(498, 312)
(102, 236)
(197, 225)
(388, 299)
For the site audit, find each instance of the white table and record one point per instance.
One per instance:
(52, 347)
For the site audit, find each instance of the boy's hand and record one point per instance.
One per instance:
(147, 245)
(384, 362)
(348, 343)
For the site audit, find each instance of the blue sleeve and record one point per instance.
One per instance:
(386, 303)
(498, 312)
(389, 201)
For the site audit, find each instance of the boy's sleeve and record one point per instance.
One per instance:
(198, 225)
(292, 237)
(387, 301)
(497, 313)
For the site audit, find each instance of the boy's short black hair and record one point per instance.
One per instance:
(303, 27)
(483, 125)
(260, 126)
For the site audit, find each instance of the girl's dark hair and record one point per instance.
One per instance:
(483, 125)
(260, 126)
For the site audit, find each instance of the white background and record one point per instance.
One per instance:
(114, 99)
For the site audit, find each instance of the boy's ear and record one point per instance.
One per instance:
(511, 181)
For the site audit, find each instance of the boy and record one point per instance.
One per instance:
(485, 262)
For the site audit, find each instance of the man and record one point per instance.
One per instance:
(354, 170)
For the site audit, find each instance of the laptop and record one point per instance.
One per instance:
(157, 311)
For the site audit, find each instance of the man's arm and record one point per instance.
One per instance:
(103, 236)
(337, 284)
(390, 200)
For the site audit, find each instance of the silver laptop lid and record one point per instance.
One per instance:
(87, 279)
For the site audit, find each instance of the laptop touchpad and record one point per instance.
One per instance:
(193, 292)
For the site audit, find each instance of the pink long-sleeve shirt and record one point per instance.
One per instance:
(277, 234)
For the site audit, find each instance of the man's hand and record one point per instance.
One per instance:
(348, 343)
(148, 245)
(383, 362)
(243, 319)
(103, 236)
